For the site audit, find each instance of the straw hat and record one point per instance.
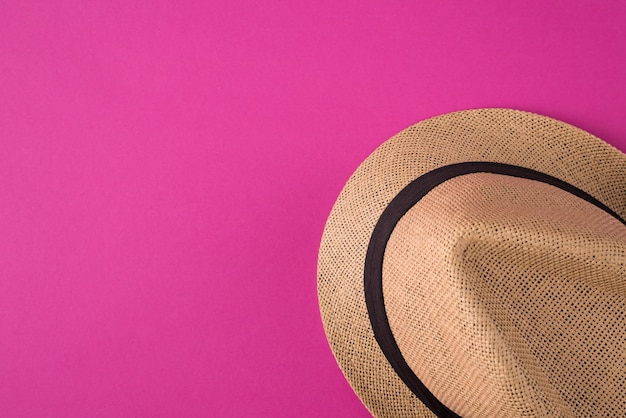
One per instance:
(475, 265)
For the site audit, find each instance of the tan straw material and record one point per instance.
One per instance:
(505, 295)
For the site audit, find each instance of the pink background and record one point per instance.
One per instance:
(166, 171)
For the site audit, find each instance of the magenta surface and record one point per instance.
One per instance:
(166, 169)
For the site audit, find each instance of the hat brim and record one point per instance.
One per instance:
(499, 136)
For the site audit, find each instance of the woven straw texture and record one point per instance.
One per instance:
(506, 296)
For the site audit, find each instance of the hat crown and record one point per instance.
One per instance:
(505, 297)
